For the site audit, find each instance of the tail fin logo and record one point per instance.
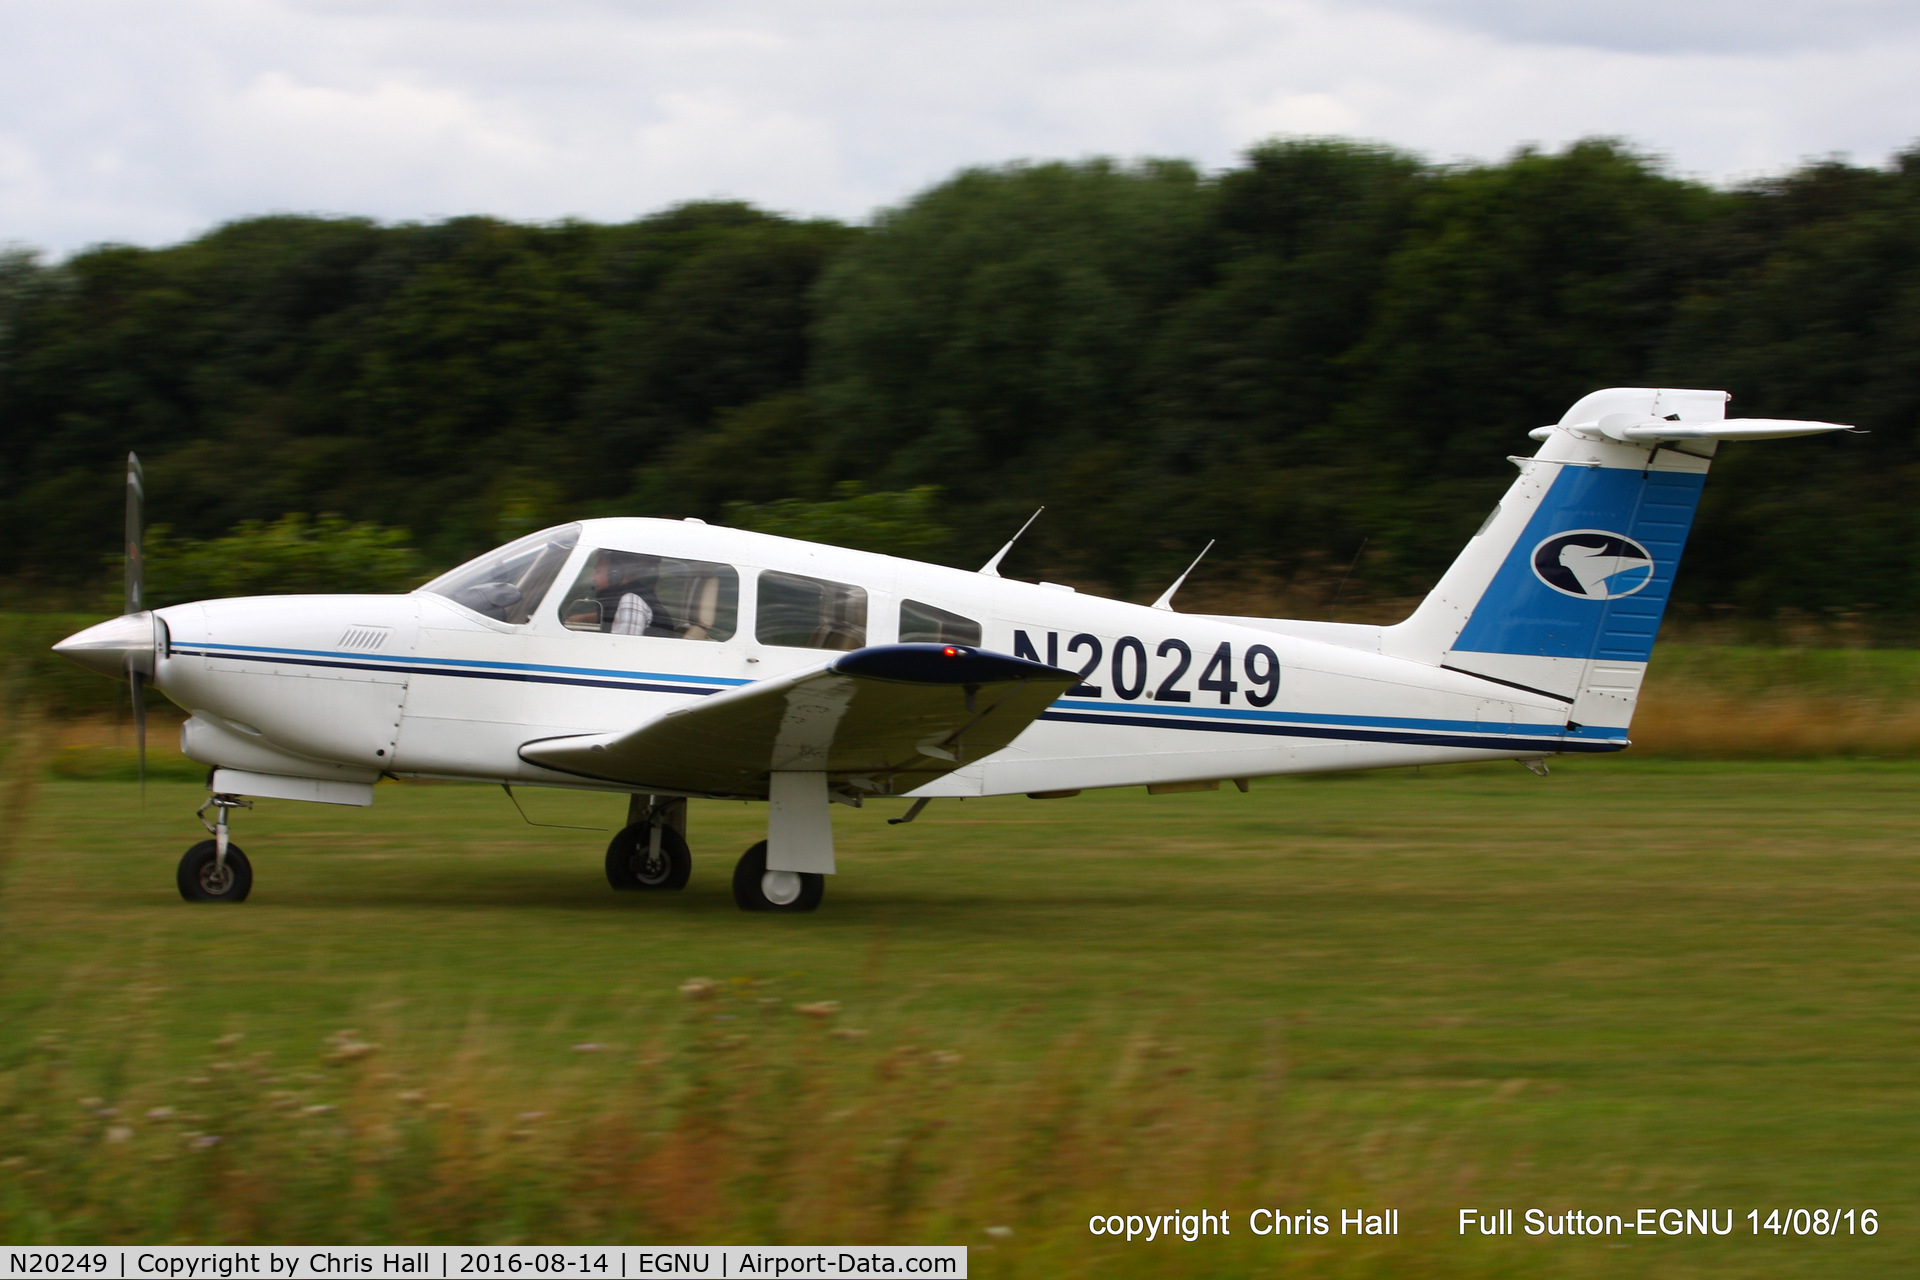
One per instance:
(1592, 564)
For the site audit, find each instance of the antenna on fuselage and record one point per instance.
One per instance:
(992, 567)
(1166, 597)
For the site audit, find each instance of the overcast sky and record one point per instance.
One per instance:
(150, 121)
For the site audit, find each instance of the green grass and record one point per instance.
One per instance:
(1892, 674)
(1626, 985)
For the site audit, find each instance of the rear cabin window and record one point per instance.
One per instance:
(926, 624)
(809, 613)
(628, 593)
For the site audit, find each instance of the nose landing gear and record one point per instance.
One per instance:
(216, 870)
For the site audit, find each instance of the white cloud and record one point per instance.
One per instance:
(146, 123)
(1666, 27)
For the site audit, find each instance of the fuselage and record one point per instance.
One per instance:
(355, 687)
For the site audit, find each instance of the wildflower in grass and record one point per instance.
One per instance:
(698, 988)
(1000, 1233)
(818, 1009)
(160, 1113)
(347, 1046)
(588, 1048)
(119, 1133)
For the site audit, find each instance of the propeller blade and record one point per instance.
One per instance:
(136, 585)
(136, 535)
(138, 683)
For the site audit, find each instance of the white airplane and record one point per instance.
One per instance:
(673, 659)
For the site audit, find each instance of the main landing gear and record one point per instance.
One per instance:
(651, 852)
(757, 889)
(216, 870)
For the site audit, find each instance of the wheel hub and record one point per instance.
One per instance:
(216, 879)
(780, 887)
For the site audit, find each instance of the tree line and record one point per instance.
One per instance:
(1320, 357)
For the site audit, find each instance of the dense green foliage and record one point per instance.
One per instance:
(1319, 357)
(900, 523)
(290, 556)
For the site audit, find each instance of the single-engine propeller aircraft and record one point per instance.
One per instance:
(670, 659)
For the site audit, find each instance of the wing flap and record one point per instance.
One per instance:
(885, 719)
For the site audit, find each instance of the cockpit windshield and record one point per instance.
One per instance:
(508, 584)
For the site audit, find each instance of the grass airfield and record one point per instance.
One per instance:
(1627, 985)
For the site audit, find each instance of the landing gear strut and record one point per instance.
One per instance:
(650, 852)
(216, 870)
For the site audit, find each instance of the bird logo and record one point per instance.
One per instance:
(1593, 564)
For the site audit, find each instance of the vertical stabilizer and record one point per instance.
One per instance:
(1562, 590)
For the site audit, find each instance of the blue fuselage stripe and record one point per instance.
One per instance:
(1440, 733)
(1483, 742)
(458, 665)
(1295, 717)
(527, 673)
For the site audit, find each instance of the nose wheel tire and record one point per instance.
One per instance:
(757, 889)
(203, 879)
(631, 863)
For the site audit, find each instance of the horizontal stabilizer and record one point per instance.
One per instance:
(1629, 429)
(885, 720)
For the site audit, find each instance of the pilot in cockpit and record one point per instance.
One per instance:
(616, 595)
(624, 585)
(628, 593)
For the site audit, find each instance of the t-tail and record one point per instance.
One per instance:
(1562, 589)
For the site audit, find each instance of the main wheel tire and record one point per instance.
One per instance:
(757, 889)
(631, 865)
(201, 880)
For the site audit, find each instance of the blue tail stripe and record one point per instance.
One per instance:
(1521, 614)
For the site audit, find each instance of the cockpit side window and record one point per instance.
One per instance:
(629, 593)
(508, 584)
(928, 624)
(809, 613)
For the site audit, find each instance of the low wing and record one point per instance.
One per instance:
(884, 720)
